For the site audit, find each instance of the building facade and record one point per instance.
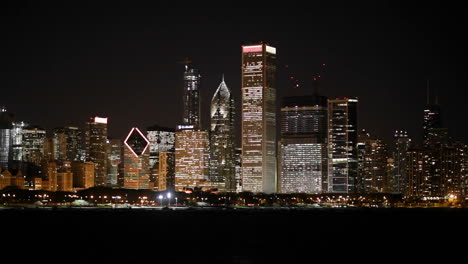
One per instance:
(342, 145)
(303, 146)
(67, 143)
(222, 148)
(83, 174)
(136, 161)
(96, 141)
(259, 118)
(191, 155)
(373, 172)
(33, 143)
(161, 159)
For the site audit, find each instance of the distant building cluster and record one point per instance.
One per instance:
(320, 147)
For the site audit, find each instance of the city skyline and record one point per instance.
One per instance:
(380, 53)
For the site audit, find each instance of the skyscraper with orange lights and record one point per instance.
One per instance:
(136, 161)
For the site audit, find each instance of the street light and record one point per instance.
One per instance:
(176, 201)
(160, 199)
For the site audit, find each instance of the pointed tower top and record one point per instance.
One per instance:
(222, 78)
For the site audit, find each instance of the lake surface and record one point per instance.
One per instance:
(235, 236)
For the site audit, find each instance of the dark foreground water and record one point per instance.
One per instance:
(234, 236)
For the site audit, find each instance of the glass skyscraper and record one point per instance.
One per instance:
(161, 159)
(67, 143)
(96, 141)
(402, 143)
(259, 118)
(191, 99)
(222, 151)
(6, 119)
(33, 144)
(342, 145)
(303, 150)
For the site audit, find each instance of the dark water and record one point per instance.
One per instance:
(235, 236)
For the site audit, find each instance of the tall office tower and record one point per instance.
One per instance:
(303, 157)
(191, 143)
(222, 156)
(401, 144)
(83, 174)
(161, 160)
(374, 164)
(114, 156)
(452, 169)
(166, 171)
(16, 151)
(419, 168)
(259, 118)
(136, 161)
(433, 132)
(96, 139)
(6, 124)
(33, 144)
(67, 143)
(191, 155)
(342, 145)
(191, 99)
(238, 168)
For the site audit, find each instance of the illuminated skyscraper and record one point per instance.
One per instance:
(222, 159)
(136, 161)
(259, 118)
(6, 119)
(96, 140)
(166, 171)
(191, 142)
(373, 172)
(67, 143)
(433, 132)
(192, 153)
(342, 145)
(402, 142)
(161, 160)
(303, 151)
(191, 99)
(17, 141)
(114, 156)
(33, 144)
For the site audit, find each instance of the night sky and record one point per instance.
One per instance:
(63, 63)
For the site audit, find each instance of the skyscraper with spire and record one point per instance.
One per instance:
(222, 156)
(191, 97)
(433, 131)
(192, 143)
(259, 118)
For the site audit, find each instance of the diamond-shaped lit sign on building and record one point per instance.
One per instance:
(136, 142)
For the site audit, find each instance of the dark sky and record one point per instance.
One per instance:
(63, 63)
